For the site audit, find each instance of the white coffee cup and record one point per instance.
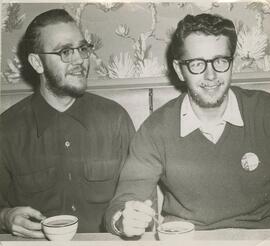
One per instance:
(60, 227)
(176, 230)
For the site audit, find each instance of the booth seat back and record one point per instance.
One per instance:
(139, 103)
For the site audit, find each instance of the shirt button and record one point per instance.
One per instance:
(73, 208)
(67, 144)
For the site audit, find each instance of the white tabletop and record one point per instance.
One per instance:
(222, 237)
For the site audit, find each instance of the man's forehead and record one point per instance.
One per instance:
(61, 33)
(202, 36)
(199, 44)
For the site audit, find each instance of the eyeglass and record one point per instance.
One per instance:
(66, 54)
(198, 66)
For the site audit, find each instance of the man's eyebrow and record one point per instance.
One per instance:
(61, 46)
(202, 58)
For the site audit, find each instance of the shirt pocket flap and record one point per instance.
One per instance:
(37, 181)
(100, 180)
(101, 170)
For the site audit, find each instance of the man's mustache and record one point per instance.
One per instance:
(79, 69)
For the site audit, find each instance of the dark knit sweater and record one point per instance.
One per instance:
(203, 182)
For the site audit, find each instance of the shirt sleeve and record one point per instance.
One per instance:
(126, 130)
(267, 116)
(139, 176)
(4, 181)
(5, 178)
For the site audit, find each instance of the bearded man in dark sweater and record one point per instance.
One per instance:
(208, 148)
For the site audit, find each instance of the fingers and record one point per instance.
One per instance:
(141, 207)
(28, 224)
(18, 222)
(20, 231)
(148, 203)
(131, 232)
(136, 217)
(33, 213)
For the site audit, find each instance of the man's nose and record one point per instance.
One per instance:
(76, 57)
(209, 72)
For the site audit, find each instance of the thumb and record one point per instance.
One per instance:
(148, 203)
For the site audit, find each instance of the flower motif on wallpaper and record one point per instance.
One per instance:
(251, 47)
(96, 41)
(76, 10)
(263, 7)
(10, 21)
(143, 63)
(121, 66)
(203, 6)
(150, 67)
(11, 18)
(13, 73)
(108, 6)
(93, 39)
(141, 48)
(122, 31)
(252, 52)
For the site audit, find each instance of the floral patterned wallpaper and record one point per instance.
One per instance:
(130, 39)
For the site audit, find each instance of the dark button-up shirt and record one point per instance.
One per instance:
(63, 162)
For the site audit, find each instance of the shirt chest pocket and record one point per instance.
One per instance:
(37, 181)
(100, 177)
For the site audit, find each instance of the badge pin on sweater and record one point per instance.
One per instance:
(250, 161)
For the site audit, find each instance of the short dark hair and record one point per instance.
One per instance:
(32, 34)
(31, 42)
(207, 24)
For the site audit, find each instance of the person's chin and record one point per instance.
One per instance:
(78, 83)
(210, 103)
(80, 90)
(75, 91)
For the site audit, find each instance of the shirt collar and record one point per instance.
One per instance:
(232, 113)
(46, 114)
(189, 122)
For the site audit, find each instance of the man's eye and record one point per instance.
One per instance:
(84, 48)
(66, 52)
(221, 61)
(197, 64)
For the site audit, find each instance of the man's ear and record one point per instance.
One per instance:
(36, 63)
(178, 70)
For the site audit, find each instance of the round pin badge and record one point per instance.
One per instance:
(250, 161)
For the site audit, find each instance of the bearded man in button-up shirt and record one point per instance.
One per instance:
(61, 148)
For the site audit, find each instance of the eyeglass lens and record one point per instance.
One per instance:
(67, 54)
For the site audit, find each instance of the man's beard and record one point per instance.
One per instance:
(201, 102)
(55, 86)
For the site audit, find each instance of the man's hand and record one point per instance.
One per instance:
(136, 217)
(20, 221)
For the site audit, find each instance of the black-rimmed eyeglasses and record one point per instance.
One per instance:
(66, 54)
(198, 65)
